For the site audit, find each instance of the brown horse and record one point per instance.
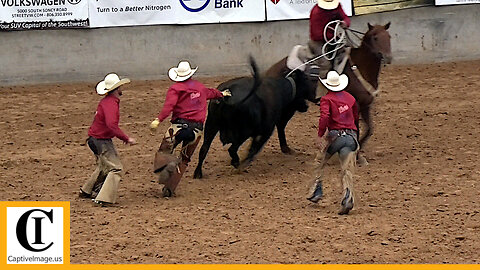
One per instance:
(362, 69)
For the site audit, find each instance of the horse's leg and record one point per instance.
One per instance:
(281, 132)
(211, 130)
(365, 113)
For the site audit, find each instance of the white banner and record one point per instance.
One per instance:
(42, 14)
(105, 13)
(455, 2)
(297, 9)
(131, 12)
(199, 11)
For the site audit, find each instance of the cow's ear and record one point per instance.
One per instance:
(369, 26)
(387, 26)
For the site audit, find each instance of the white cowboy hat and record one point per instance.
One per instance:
(182, 72)
(328, 4)
(335, 82)
(110, 83)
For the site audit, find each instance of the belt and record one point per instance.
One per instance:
(188, 124)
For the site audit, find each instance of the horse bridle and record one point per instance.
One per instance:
(355, 32)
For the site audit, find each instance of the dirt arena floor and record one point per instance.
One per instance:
(417, 200)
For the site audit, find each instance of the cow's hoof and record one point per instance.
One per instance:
(243, 166)
(238, 171)
(197, 174)
(362, 161)
(235, 163)
(287, 150)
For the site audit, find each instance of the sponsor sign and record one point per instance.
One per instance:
(104, 13)
(455, 2)
(297, 9)
(43, 14)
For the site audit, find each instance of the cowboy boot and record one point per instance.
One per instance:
(171, 184)
(186, 154)
(348, 200)
(316, 189)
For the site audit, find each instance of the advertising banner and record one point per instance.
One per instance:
(297, 9)
(104, 13)
(216, 11)
(43, 14)
(131, 12)
(372, 6)
(455, 2)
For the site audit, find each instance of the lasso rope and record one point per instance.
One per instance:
(338, 40)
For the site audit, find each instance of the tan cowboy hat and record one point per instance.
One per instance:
(328, 4)
(182, 72)
(335, 82)
(111, 82)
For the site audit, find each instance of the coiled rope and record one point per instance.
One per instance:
(338, 41)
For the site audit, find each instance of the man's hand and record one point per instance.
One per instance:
(154, 125)
(322, 143)
(226, 93)
(131, 141)
(343, 24)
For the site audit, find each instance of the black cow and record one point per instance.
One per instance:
(257, 105)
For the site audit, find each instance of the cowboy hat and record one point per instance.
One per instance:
(182, 72)
(110, 83)
(328, 4)
(335, 82)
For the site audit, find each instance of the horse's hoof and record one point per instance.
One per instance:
(362, 161)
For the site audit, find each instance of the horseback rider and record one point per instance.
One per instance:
(338, 113)
(322, 17)
(186, 100)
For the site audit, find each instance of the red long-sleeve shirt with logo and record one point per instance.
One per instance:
(338, 110)
(188, 100)
(107, 117)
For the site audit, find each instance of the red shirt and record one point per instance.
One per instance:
(105, 123)
(188, 100)
(319, 18)
(338, 110)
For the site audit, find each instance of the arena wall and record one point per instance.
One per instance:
(419, 35)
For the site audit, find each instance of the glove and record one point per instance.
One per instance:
(226, 93)
(154, 125)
